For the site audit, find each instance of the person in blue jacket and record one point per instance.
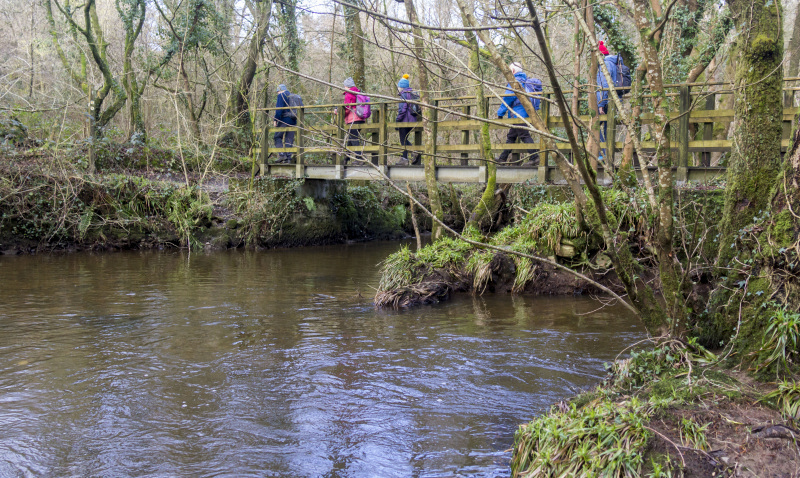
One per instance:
(284, 139)
(513, 107)
(602, 95)
(405, 114)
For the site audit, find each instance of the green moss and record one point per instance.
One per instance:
(762, 46)
(782, 229)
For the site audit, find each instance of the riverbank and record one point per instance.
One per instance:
(671, 410)
(545, 226)
(146, 199)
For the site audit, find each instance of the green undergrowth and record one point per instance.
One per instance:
(609, 431)
(546, 225)
(264, 209)
(276, 212)
(43, 208)
(602, 438)
(548, 229)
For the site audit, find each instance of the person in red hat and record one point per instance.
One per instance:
(602, 93)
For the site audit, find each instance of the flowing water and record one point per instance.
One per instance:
(275, 364)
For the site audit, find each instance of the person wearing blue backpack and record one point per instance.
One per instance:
(513, 107)
(620, 74)
(283, 119)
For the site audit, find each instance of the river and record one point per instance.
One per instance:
(275, 363)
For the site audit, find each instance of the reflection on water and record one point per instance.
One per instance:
(274, 364)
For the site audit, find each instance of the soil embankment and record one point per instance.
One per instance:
(47, 208)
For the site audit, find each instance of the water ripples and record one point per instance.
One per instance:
(163, 365)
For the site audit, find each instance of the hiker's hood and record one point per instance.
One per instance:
(521, 77)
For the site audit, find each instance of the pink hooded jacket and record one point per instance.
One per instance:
(351, 116)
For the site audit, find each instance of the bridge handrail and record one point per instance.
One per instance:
(327, 135)
(567, 92)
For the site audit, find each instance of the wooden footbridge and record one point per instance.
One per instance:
(320, 138)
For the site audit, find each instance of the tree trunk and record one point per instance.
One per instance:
(626, 167)
(133, 22)
(758, 112)
(487, 202)
(671, 276)
(238, 104)
(92, 33)
(429, 159)
(576, 80)
(355, 44)
(594, 135)
(794, 57)
(291, 41)
(794, 48)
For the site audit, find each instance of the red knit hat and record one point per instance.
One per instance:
(603, 49)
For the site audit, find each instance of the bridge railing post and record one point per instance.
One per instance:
(788, 102)
(300, 142)
(465, 137)
(708, 129)
(434, 131)
(383, 134)
(341, 145)
(685, 102)
(264, 156)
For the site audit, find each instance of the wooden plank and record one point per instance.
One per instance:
(374, 134)
(453, 174)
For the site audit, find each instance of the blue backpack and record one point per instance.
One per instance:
(532, 85)
(625, 73)
(295, 101)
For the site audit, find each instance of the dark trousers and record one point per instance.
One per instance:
(405, 140)
(524, 136)
(284, 139)
(354, 139)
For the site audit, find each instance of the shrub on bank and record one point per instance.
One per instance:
(667, 411)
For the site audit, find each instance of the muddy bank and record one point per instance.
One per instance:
(499, 275)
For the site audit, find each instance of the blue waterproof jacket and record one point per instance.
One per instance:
(510, 104)
(282, 116)
(611, 64)
(404, 109)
